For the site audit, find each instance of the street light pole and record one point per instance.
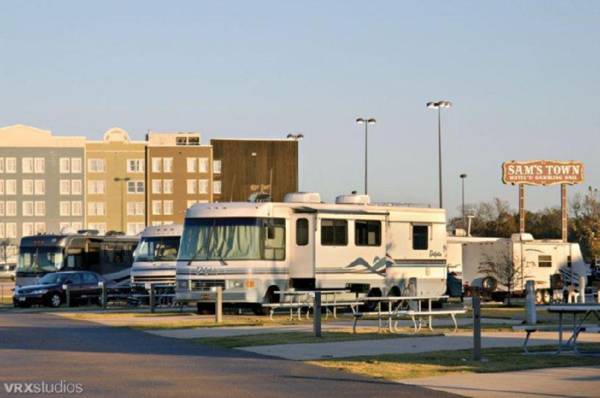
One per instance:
(366, 122)
(439, 105)
(123, 180)
(462, 178)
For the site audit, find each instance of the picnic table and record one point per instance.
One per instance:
(299, 299)
(405, 306)
(578, 326)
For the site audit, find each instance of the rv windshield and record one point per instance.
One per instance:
(233, 239)
(40, 259)
(159, 248)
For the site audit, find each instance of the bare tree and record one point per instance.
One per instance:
(503, 269)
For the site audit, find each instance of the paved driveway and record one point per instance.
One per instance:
(120, 362)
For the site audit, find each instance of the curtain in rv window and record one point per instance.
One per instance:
(233, 239)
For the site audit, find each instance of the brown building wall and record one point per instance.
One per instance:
(251, 166)
(180, 197)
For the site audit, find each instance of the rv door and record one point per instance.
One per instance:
(302, 246)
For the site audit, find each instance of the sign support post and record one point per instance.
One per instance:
(564, 213)
(521, 208)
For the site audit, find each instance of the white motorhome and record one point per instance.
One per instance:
(155, 257)
(252, 250)
(537, 260)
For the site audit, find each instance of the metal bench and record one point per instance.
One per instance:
(571, 343)
(415, 315)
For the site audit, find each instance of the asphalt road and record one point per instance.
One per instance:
(120, 362)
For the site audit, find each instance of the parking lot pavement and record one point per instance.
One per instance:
(407, 345)
(555, 382)
(122, 362)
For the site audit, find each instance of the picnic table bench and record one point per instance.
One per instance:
(395, 310)
(304, 299)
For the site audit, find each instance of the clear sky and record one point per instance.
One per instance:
(524, 77)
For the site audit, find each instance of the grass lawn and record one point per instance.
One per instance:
(405, 366)
(328, 336)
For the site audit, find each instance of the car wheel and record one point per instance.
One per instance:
(55, 300)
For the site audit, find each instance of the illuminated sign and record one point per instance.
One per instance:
(542, 172)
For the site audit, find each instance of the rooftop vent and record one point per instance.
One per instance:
(353, 199)
(302, 197)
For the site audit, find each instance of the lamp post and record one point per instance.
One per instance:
(462, 179)
(366, 122)
(439, 105)
(297, 137)
(124, 181)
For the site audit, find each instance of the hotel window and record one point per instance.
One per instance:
(135, 186)
(191, 165)
(63, 225)
(156, 223)
(1, 187)
(1, 208)
(11, 165)
(100, 227)
(156, 207)
(64, 165)
(168, 207)
(135, 208)
(96, 165)
(27, 208)
(27, 187)
(1, 165)
(156, 162)
(96, 208)
(65, 187)
(27, 165)
(96, 187)
(76, 187)
(190, 203)
(217, 187)
(167, 165)
(40, 187)
(27, 229)
(2, 230)
(203, 165)
(168, 186)
(156, 186)
(76, 208)
(202, 186)
(135, 165)
(40, 165)
(11, 187)
(11, 208)
(217, 166)
(77, 225)
(134, 228)
(11, 230)
(40, 227)
(65, 208)
(76, 165)
(40, 208)
(191, 186)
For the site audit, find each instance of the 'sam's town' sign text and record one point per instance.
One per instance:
(542, 172)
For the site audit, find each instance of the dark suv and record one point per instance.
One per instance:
(83, 287)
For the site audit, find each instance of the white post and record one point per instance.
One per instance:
(582, 289)
(530, 314)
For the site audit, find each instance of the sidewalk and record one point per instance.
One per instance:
(554, 382)
(407, 345)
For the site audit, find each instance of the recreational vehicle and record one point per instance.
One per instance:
(109, 256)
(253, 250)
(154, 258)
(532, 259)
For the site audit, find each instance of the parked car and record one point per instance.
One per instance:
(8, 271)
(83, 287)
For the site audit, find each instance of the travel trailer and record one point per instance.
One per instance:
(109, 256)
(253, 250)
(535, 259)
(154, 258)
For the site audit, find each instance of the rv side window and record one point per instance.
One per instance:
(367, 233)
(544, 261)
(420, 237)
(302, 232)
(334, 232)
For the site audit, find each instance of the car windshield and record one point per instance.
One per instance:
(40, 259)
(157, 249)
(233, 239)
(50, 279)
